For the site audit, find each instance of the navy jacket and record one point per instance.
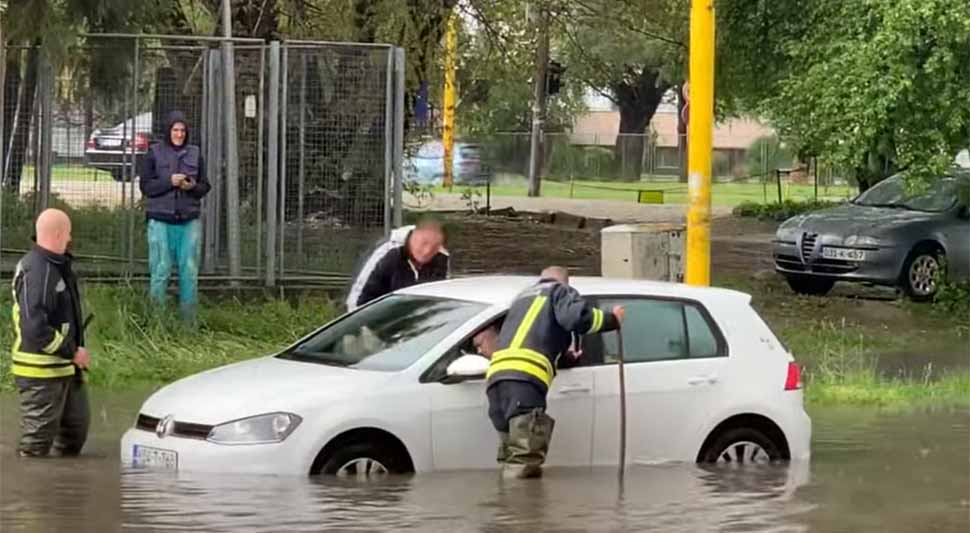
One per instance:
(163, 201)
(538, 328)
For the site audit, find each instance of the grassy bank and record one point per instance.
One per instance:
(133, 345)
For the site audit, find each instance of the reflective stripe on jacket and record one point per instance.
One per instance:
(538, 328)
(46, 316)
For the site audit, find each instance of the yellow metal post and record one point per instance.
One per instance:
(448, 118)
(700, 133)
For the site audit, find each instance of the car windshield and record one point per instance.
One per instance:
(939, 196)
(388, 335)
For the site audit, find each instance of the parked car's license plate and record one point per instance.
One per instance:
(111, 142)
(844, 254)
(148, 457)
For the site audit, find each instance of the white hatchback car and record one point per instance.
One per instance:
(394, 387)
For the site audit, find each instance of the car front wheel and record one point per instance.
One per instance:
(810, 286)
(921, 273)
(742, 446)
(362, 461)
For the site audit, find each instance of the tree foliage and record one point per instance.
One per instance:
(874, 85)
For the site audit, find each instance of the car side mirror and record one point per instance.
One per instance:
(466, 367)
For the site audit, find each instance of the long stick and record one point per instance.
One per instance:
(619, 343)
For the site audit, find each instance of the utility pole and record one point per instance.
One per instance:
(700, 135)
(448, 117)
(540, 21)
(232, 149)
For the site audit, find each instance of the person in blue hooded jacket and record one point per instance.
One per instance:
(173, 183)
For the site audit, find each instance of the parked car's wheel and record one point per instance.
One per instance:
(363, 461)
(810, 286)
(742, 446)
(921, 272)
(118, 175)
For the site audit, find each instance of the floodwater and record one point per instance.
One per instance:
(871, 471)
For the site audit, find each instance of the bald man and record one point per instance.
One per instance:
(48, 351)
(538, 328)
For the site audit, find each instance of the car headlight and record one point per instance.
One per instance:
(260, 429)
(861, 240)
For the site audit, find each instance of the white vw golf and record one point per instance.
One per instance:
(396, 387)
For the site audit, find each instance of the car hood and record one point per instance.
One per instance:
(257, 386)
(850, 219)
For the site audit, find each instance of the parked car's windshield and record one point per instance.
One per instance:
(389, 335)
(892, 192)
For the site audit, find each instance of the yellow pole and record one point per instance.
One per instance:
(700, 133)
(448, 133)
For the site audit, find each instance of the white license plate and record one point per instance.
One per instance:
(148, 457)
(844, 254)
(110, 142)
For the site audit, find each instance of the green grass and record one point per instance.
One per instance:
(133, 344)
(723, 194)
(76, 172)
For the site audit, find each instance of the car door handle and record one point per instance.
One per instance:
(701, 380)
(574, 389)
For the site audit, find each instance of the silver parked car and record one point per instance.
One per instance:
(885, 236)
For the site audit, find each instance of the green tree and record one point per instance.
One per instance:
(876, 86)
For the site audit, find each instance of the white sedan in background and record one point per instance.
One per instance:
(395, 387)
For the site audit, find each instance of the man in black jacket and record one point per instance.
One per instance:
(411, 255)
(173, 182)
(48, 352)
(538, 328)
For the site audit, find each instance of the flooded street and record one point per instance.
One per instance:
(871, 471)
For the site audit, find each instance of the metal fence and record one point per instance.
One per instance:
(305, 170)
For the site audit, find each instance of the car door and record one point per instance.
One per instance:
(463, 437)
(674, 365)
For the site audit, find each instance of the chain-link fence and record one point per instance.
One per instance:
(314, 150)
(621, 166)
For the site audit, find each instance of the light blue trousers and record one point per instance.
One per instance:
(181, 245)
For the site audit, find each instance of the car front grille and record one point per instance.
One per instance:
(808, 246)
(789, 262)
(186, 430)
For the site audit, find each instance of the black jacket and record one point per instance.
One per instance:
(390, 268)
(539, 327)
(46, 313)
(163, 201)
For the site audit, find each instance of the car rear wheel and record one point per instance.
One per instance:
(742, 446)
(362, 461)
(810, 286)
(921, 273)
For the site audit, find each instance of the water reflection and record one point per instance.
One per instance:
(660, 498)
(870, 471)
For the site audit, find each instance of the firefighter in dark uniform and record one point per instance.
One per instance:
(538, 328)
(48, 353)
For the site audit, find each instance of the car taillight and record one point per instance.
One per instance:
(91, 144)
(794, 379)
(141, 142)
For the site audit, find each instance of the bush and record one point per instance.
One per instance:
(782, 211)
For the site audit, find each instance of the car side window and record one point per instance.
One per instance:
(438, 369)
(654, 330)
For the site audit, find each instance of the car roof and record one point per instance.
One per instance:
(497, 290)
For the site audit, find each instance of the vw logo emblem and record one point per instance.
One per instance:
(164, 426)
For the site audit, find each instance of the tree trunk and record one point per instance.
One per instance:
(25, 115)
(637, 103)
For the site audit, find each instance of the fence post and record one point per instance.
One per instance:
(208, 206)
(3, 152)
(45, 91)
(260, 105)
(285, 107)
(232, 160)
(134, 160)
(302, 169)
(273, 159)
(399, 137)
(389, 139)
